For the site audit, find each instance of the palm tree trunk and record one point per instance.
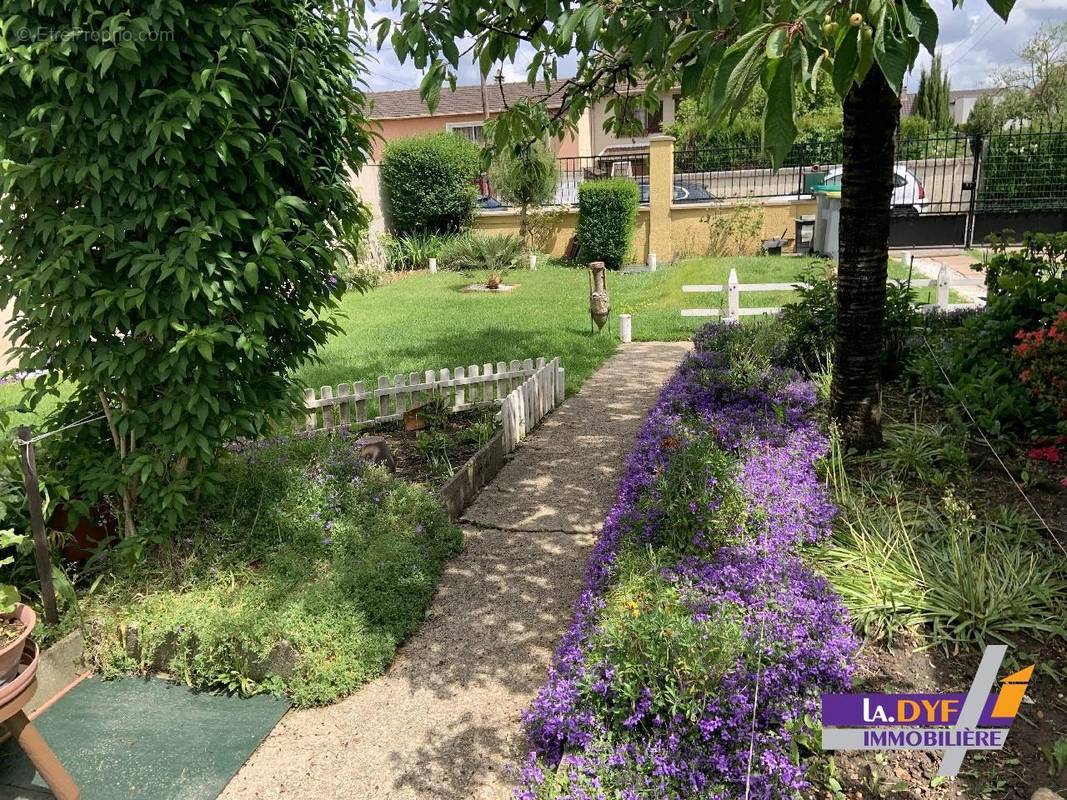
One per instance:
(872, 112)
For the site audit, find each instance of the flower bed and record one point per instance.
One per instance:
(696, 606)
(302, 578)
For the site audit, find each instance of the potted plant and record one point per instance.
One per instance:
(431, 414)
(17, 619)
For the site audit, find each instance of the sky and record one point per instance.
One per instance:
(974, 41)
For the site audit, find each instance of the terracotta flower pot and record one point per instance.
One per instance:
(98, 528)
(12, 651)
(414, 421)
(26, 671)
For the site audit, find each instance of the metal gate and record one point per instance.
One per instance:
(968, 187)
(951, 190)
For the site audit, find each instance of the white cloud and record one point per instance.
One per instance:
(976, 43)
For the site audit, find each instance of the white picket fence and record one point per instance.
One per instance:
(524, 390)
(528, 404)
(944, 282)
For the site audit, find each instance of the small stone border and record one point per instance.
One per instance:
(481, 287)
(461, 489)
(61, 666)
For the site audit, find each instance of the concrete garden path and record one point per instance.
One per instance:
(444, 722)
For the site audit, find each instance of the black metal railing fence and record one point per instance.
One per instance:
(948, 173)
(576, 170)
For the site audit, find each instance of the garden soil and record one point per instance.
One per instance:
(445, 721)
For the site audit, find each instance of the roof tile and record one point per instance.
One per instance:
(465, 100)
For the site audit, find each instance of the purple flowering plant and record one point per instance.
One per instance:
(695, 595)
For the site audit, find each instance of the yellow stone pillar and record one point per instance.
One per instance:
(660, 196)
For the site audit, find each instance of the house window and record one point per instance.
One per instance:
(654, 120)
(650, 121)
(471, 131)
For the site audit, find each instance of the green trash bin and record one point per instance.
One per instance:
(812, 181)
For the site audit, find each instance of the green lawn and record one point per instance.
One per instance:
(425, 322)
(11, 395)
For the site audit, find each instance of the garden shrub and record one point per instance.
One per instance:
(368, 266)
(738, 232)
(695, 497)
(307, 547)
(1043, 353)
(545, 225)
(662, 658)
(809, 323)
(479, 252)
(525, 178)
(912, 126)
(430, 183)
(171, 227)
(607, 214)
(651, 690)
(414, 252)
(975, 364)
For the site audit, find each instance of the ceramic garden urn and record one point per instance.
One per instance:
(599, 303)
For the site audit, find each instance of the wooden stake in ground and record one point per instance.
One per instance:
(28, 457)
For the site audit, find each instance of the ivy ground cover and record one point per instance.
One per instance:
(700, 641)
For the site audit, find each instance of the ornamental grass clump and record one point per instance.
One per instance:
(693, 595)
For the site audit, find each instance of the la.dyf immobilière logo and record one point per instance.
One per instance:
(954, 723)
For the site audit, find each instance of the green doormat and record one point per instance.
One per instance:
(137, 739)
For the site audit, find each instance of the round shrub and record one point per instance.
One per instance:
(607, 213)
(809, 322)
(430, 183)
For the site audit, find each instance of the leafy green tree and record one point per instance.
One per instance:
(526, 176)
(1042, 74)
(718, 52)
(176, 204)
(984, 118)
(932, 101)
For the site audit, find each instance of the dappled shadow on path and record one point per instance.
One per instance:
(566, 475)
(481, 657)
(445, 721)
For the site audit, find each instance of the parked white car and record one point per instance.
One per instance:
(908, 191)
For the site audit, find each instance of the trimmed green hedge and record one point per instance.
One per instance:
(430, 182)
(607, 213)
(1024, 171)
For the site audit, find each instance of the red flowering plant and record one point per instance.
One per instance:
(1044, 353)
